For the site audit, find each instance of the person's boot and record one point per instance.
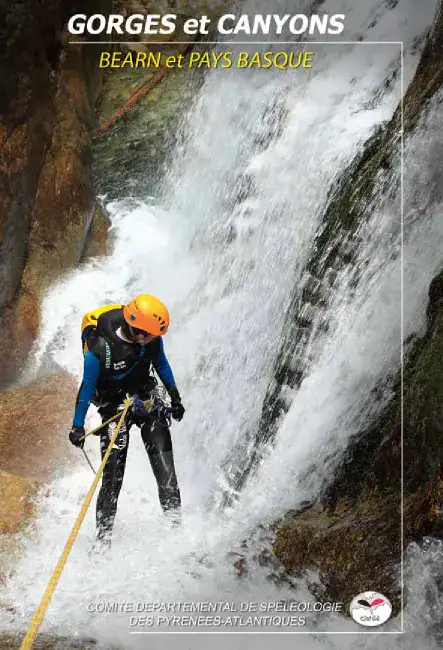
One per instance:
(173, 515)
(101, 546)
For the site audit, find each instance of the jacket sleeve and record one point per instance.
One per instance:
(87, 388)
(163, 369)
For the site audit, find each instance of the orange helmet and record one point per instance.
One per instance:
(147, 313)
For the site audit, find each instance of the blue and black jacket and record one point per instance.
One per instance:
(114, 367)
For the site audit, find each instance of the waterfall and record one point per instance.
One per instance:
(225, 244)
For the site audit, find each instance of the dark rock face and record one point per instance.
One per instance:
(47, 90)
(25, 89)
(352, 535)
(351, 200)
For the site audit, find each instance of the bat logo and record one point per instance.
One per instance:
(377, 601)
(370, 609)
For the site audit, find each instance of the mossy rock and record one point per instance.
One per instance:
(128, 159)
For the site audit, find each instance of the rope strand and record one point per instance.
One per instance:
(46, 599)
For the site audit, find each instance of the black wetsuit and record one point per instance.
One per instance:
(115, 368)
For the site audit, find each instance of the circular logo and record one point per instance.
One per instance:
(370, 609)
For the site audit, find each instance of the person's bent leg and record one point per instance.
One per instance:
(157, 440)
(112, 477)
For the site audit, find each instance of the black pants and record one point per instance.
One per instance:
(157, 440)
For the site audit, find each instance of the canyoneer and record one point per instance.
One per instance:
(122, 344)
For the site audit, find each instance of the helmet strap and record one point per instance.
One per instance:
(126, 330)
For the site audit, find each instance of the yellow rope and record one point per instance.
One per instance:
(103, 424)
(46, 599)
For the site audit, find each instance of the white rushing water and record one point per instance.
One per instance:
(226, 261)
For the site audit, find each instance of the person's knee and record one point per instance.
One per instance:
(156, 438)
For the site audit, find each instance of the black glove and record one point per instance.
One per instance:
(177, 411)
(177, 408)
(74, 436)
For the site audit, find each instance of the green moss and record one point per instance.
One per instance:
(128, 159)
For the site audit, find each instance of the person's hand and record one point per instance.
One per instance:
(177, 410)
(138, 407)
(74, 436)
